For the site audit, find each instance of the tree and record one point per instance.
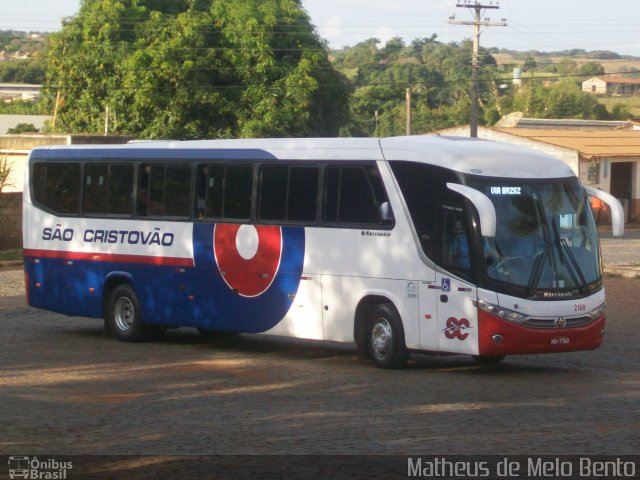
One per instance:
(22, 128)
(530, 64)
(590, 69)
(620, 111)
(438, 75)
(562, 99)
(194, 69)
(5, 173)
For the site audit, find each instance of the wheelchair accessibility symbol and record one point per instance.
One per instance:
(446, 284)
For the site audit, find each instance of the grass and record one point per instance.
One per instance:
(10, 255)
(631, 103)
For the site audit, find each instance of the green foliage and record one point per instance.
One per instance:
(562, 99)
(529, 64)
(14, 255)
(20, 107)
(23, 128)
(195, 69)
(437, 75)
(22, 71)
(590, 69)
(209, 69)
(619, 111)
(12, 41)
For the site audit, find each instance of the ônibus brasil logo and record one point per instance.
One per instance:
(38, 469)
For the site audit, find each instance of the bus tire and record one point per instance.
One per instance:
(123, 315)
(386, 337)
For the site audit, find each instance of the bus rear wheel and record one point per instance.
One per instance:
(386, 338)
(124, 320)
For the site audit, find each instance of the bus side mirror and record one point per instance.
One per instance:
(483, 204)
(385, 214)
(617, 212)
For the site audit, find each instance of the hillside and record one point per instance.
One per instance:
(610, 61)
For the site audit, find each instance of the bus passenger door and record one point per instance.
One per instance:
(457, 315)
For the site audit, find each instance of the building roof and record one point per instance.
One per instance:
(617, 79)
(590, 143)
(516, 120)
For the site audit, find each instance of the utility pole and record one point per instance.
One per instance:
(408, 111)
(476, 23)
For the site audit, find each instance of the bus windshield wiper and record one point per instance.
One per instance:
(574, 263)
(536, 272)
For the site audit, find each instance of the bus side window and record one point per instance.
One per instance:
(164, 190)
(96, 188)
(223, 191)
(354, 195)
(56, 186)
(120, 189)
(108, 189)
(142, 199)
(238, 187)
(288, 193)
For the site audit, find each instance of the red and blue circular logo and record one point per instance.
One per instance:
(248, 256)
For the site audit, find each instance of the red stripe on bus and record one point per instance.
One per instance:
(110, 257)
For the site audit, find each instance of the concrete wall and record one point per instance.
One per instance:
(16, 149)
(10, 220)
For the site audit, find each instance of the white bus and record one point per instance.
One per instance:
(408, 244)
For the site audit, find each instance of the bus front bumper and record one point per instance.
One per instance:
(502, 337)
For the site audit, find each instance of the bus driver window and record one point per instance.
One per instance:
(456, 246)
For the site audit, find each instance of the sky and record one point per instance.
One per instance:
(544, 25)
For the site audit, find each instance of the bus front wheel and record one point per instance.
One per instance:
(123, 315)
(386, 338)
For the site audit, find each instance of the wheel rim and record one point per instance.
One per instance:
(381, 337)
(124, 313)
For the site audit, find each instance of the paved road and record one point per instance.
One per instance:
(65, 388)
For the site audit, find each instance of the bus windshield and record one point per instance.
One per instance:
(546, 240)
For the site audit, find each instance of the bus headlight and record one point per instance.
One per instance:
(501, 312)
(597, 312)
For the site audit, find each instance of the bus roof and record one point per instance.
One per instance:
(462, 154)
(476, 156)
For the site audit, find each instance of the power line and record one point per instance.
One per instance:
(199, 86)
